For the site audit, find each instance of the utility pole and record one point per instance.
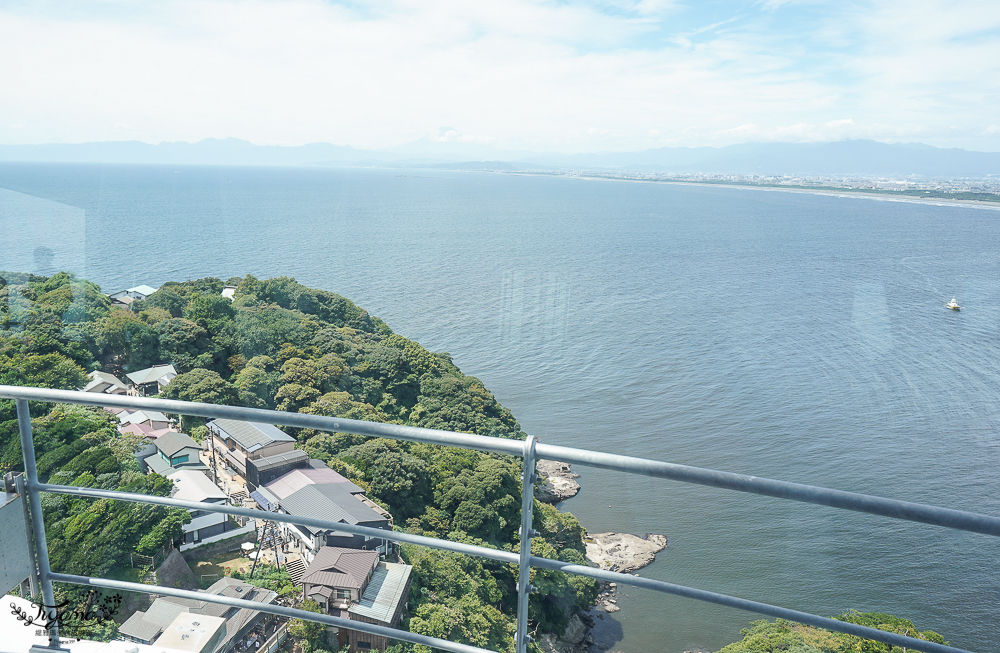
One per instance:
(211, 446)
(260, 548)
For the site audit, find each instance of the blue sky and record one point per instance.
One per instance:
(515, 74)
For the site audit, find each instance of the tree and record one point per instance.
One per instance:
(783, 636)
(210, 312)
(185, 343)
(202, 386)
(485, 501)
(255, 381)
(123, 339)
(395, 478)
(309, 633)
(164, 298)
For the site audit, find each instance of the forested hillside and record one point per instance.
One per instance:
(787, 637)
(282, 345)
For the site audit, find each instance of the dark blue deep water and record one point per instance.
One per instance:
(788, 335)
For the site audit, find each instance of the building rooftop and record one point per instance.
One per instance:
(165, 609)
(264, 499)
(98, 379)
(296, 479)
(141, 416)
(332, 502)
(151, 374)
(171, 443)
(143, 290)
(338, 567)
(193, 632)
(194, 486)
(385, 591)
(279, 459)
(250, 435)
(158, 465)
(147, 625)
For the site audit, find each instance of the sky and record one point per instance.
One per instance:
(538, 75)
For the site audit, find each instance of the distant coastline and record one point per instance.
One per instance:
(985, 202)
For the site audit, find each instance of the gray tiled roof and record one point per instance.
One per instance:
(343, 497)
(172, 442)
(329, 501)
(279, 459)
(151, 374)
(251, 435)
(146, 625)
(385, 591)
(158, 465)
(165, 609)
(338, 567)
(297, 479)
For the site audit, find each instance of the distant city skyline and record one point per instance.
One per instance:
(612, 75)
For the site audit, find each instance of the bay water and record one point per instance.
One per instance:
(789, 335)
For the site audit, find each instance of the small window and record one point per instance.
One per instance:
(364, 645)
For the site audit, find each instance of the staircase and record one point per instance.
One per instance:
(296, 568)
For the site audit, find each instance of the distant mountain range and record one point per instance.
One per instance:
(854, 157)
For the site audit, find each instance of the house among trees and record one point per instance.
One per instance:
(171, 452)
(240, 441)
(356, 585)
(324, 494)
(139, 292)
(146, 627)
(152, 379)
(150, 418)
(125, 297)
(144, 423)
(105, 383)
(191, 485)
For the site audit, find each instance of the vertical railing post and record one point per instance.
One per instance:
(524, 588)
(33, 589)
(37, 523)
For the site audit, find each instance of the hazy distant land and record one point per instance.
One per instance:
(858, 165)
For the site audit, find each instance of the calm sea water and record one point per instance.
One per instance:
(794, 336)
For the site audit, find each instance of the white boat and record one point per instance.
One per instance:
(953, 305)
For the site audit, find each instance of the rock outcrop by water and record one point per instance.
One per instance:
(558, 484)
(623, 552)
(594, 630)
(588, 632)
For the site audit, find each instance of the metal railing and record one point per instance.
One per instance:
(530, 450)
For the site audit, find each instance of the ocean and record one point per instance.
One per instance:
(788, 335)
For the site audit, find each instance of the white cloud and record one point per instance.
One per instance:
(514, 73)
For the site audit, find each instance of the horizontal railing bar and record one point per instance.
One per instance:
(905, 510)
(918, 512)
(745, 604)
(512, 558)
(298, 420)
(949, 518)
(396, 536)
(269, 608)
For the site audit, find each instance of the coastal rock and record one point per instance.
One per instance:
(549, 643)
(575, 631)
(558, 484)
(623, 552)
